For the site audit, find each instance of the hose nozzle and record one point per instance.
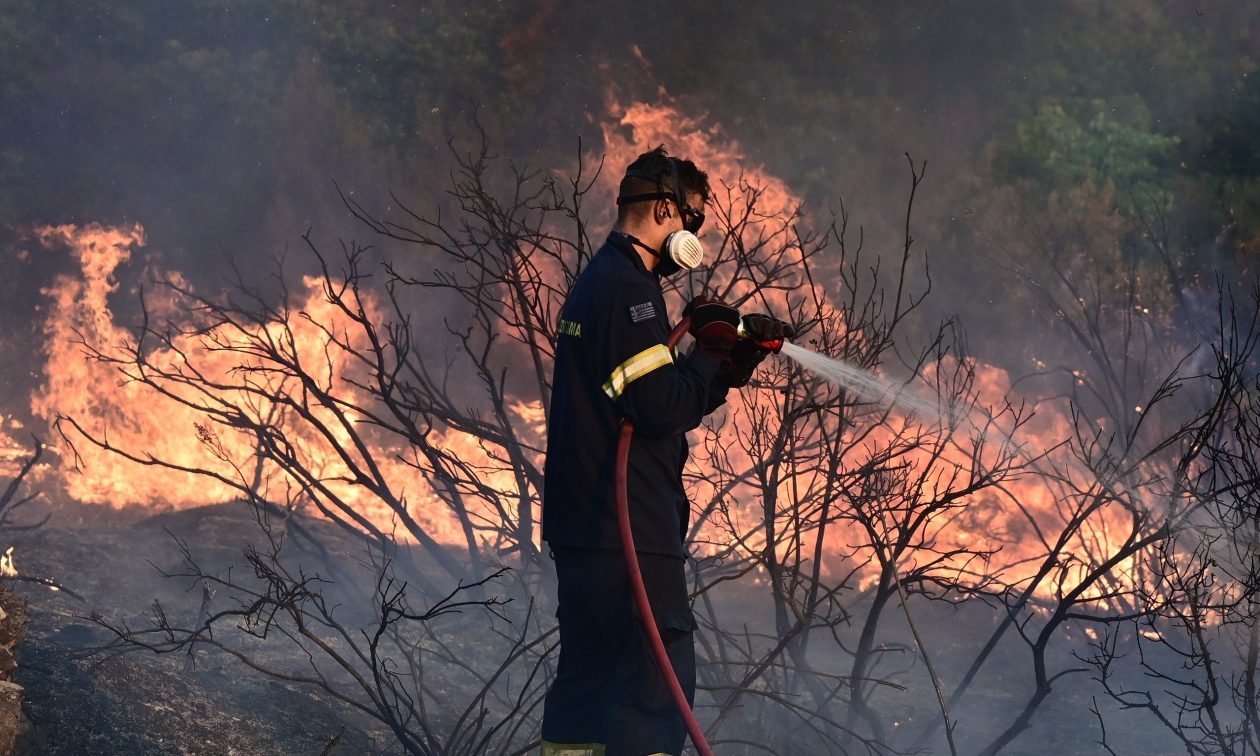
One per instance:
(774, 344)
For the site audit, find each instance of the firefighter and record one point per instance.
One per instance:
(612, 362)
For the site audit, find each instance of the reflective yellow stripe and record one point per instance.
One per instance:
(636, 367)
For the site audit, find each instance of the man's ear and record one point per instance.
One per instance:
(662, 211)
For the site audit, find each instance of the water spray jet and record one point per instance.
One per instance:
(865, 383)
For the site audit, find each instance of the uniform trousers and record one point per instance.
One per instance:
(608, 689)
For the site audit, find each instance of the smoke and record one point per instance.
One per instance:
(222, 130)
(113, 405)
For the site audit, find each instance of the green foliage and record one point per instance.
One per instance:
(1104, 49)
(1060, 147)
(398, 64)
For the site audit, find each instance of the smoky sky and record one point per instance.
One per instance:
(222, 127)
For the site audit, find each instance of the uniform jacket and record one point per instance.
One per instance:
(612, 363)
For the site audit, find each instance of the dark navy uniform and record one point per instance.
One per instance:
(612, 362)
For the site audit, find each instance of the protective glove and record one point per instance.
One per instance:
(767, 331)
(738, 370)
(714, 326)
(760, 335)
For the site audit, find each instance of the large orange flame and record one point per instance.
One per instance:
(107, 400)
(1006, 520)
(129, 415)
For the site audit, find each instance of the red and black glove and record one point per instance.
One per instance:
(760, 335)
(767, 331)
(714, 326)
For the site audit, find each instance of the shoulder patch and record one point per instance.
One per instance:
(642, 312)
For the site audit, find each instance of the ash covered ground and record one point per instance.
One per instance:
(81, 702)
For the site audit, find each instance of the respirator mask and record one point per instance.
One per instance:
(681, 250)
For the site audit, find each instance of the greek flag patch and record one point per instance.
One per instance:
(642, 312)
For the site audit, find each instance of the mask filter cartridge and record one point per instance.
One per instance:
(684, 249)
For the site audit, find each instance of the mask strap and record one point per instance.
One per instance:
(672, 180)
(646, 197)
(638, 243)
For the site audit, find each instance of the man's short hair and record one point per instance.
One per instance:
(650, 172)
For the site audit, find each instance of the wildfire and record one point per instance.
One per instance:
(115, 406)
(639, 126)
(1004, 522)
(737, 185)
(109, 400)
(11, 452)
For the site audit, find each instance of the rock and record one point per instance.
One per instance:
(12, 721)
(13, 625)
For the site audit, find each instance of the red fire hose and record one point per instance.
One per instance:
(636, 577)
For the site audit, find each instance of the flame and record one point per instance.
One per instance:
(640, 126)
(7, 566)
(737, 186)
(113, 405)
(110, 403)
(12, 453)
(96, 394)
(1004, 522)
